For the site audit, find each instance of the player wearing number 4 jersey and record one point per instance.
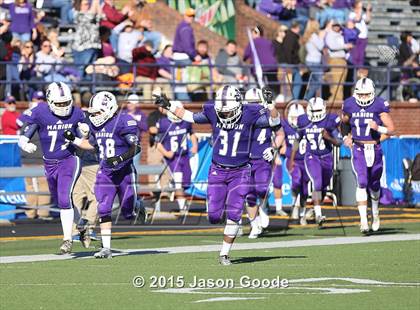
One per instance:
(229, 176)
(366, 122)
(318, 128)
(115, 135)
(62, 167)
(174, 133)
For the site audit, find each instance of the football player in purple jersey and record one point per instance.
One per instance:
(365, 123)
(173, 137)
(298, 175)
(62, 167)
(115, 136)
(318, 128)
(262, 154)
(229, 175)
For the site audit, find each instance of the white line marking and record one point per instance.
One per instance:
(227, 299)
(215, 248)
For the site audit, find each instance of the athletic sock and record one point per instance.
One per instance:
(255, 221)
(67, 217)
(363, 213)
(302, 212)
(106, 238)
(225, 248)
(317, 210)
(279, 204)
(181, 203)
(375, 207)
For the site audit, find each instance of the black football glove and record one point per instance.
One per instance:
(114, 161)
(68, 135)
(162, 101)
(267, 94)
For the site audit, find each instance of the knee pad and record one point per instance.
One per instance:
(361, 194)
(375, 194)
(178, 180)
(231, 228)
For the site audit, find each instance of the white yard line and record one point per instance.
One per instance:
(214, 248)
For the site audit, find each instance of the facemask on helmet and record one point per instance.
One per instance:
(102, 107)
(59, 99)
(254, 96)
(172, 117)
(228, 105)
(316, 109)
(295, 110)
(364, 92)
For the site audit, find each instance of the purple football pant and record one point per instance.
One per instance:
(121, 182)
(299, 177)
(260, 181)
(62, 175)
(226, 192)
(367, 177)
(319, 169)
(278, 176)
(181, 164)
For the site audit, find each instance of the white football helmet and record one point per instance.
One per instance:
(59, 99)
(171, 116)
(228, 104)
(316, 109)
(102, 107)
(295, 110)
(254, 95)
(364, 92)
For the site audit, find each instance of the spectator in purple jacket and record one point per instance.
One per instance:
(23, 20)
(184, 41)
(270, 8)
(265, 55)
(165, 72)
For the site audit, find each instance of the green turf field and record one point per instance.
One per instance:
(383, 275)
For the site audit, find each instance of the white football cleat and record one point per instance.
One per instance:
(303, 221)
(320, 219)
(376, 223)
(103, 253)
(224, 260)
(66, 247)
(256, 230)
(364, 226)
(264, 218)
(295, 213)
(309, 215)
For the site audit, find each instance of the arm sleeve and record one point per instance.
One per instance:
(200, 118)
(262, 121)
(30, 130)
(131, 139)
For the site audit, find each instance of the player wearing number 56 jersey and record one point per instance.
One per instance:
(62, 167)
(115, 136)
(318, 128)
(229, 176)
(366, 121)
(173, 140)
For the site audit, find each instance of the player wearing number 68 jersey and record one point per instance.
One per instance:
(62, 167)
(318, 128)
(229, 175)
(366, 122)
(174, 133)
(115, 136)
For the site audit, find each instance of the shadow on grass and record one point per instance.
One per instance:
(245, 260)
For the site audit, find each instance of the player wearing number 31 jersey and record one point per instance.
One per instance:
(366, 122)
(62, 167)
(115, 136)
(229, 176)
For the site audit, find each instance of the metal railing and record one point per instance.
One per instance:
(386, 78)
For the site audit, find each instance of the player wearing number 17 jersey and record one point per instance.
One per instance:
(229, 175)
(318, 128)
(62, 167)
(115, 136)
(366, 122)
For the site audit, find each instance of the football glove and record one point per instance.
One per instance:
(68, 135)
(162, 101)
(114, 161)
(84, 129)
(268, 154)
(267, 95)
(26, 146)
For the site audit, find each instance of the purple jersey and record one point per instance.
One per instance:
(312, 131)
(141, 120)
(114, 138)
(361, 116)
(291, 134)
(51, 129)
(173, 136)
(231, 143)
(261, 139)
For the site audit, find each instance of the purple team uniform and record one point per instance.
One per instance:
(368, 176)
(318, 156)
(114, 138)
(230, 171)
(298, 175)
(174, 137)
(62, 167)
(261, 170)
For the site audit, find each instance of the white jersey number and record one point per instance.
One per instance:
(175, 144)
(225, 143)
(107, 150)
(53, 135)
(357, 124)
(316, 144)
(261, 136)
